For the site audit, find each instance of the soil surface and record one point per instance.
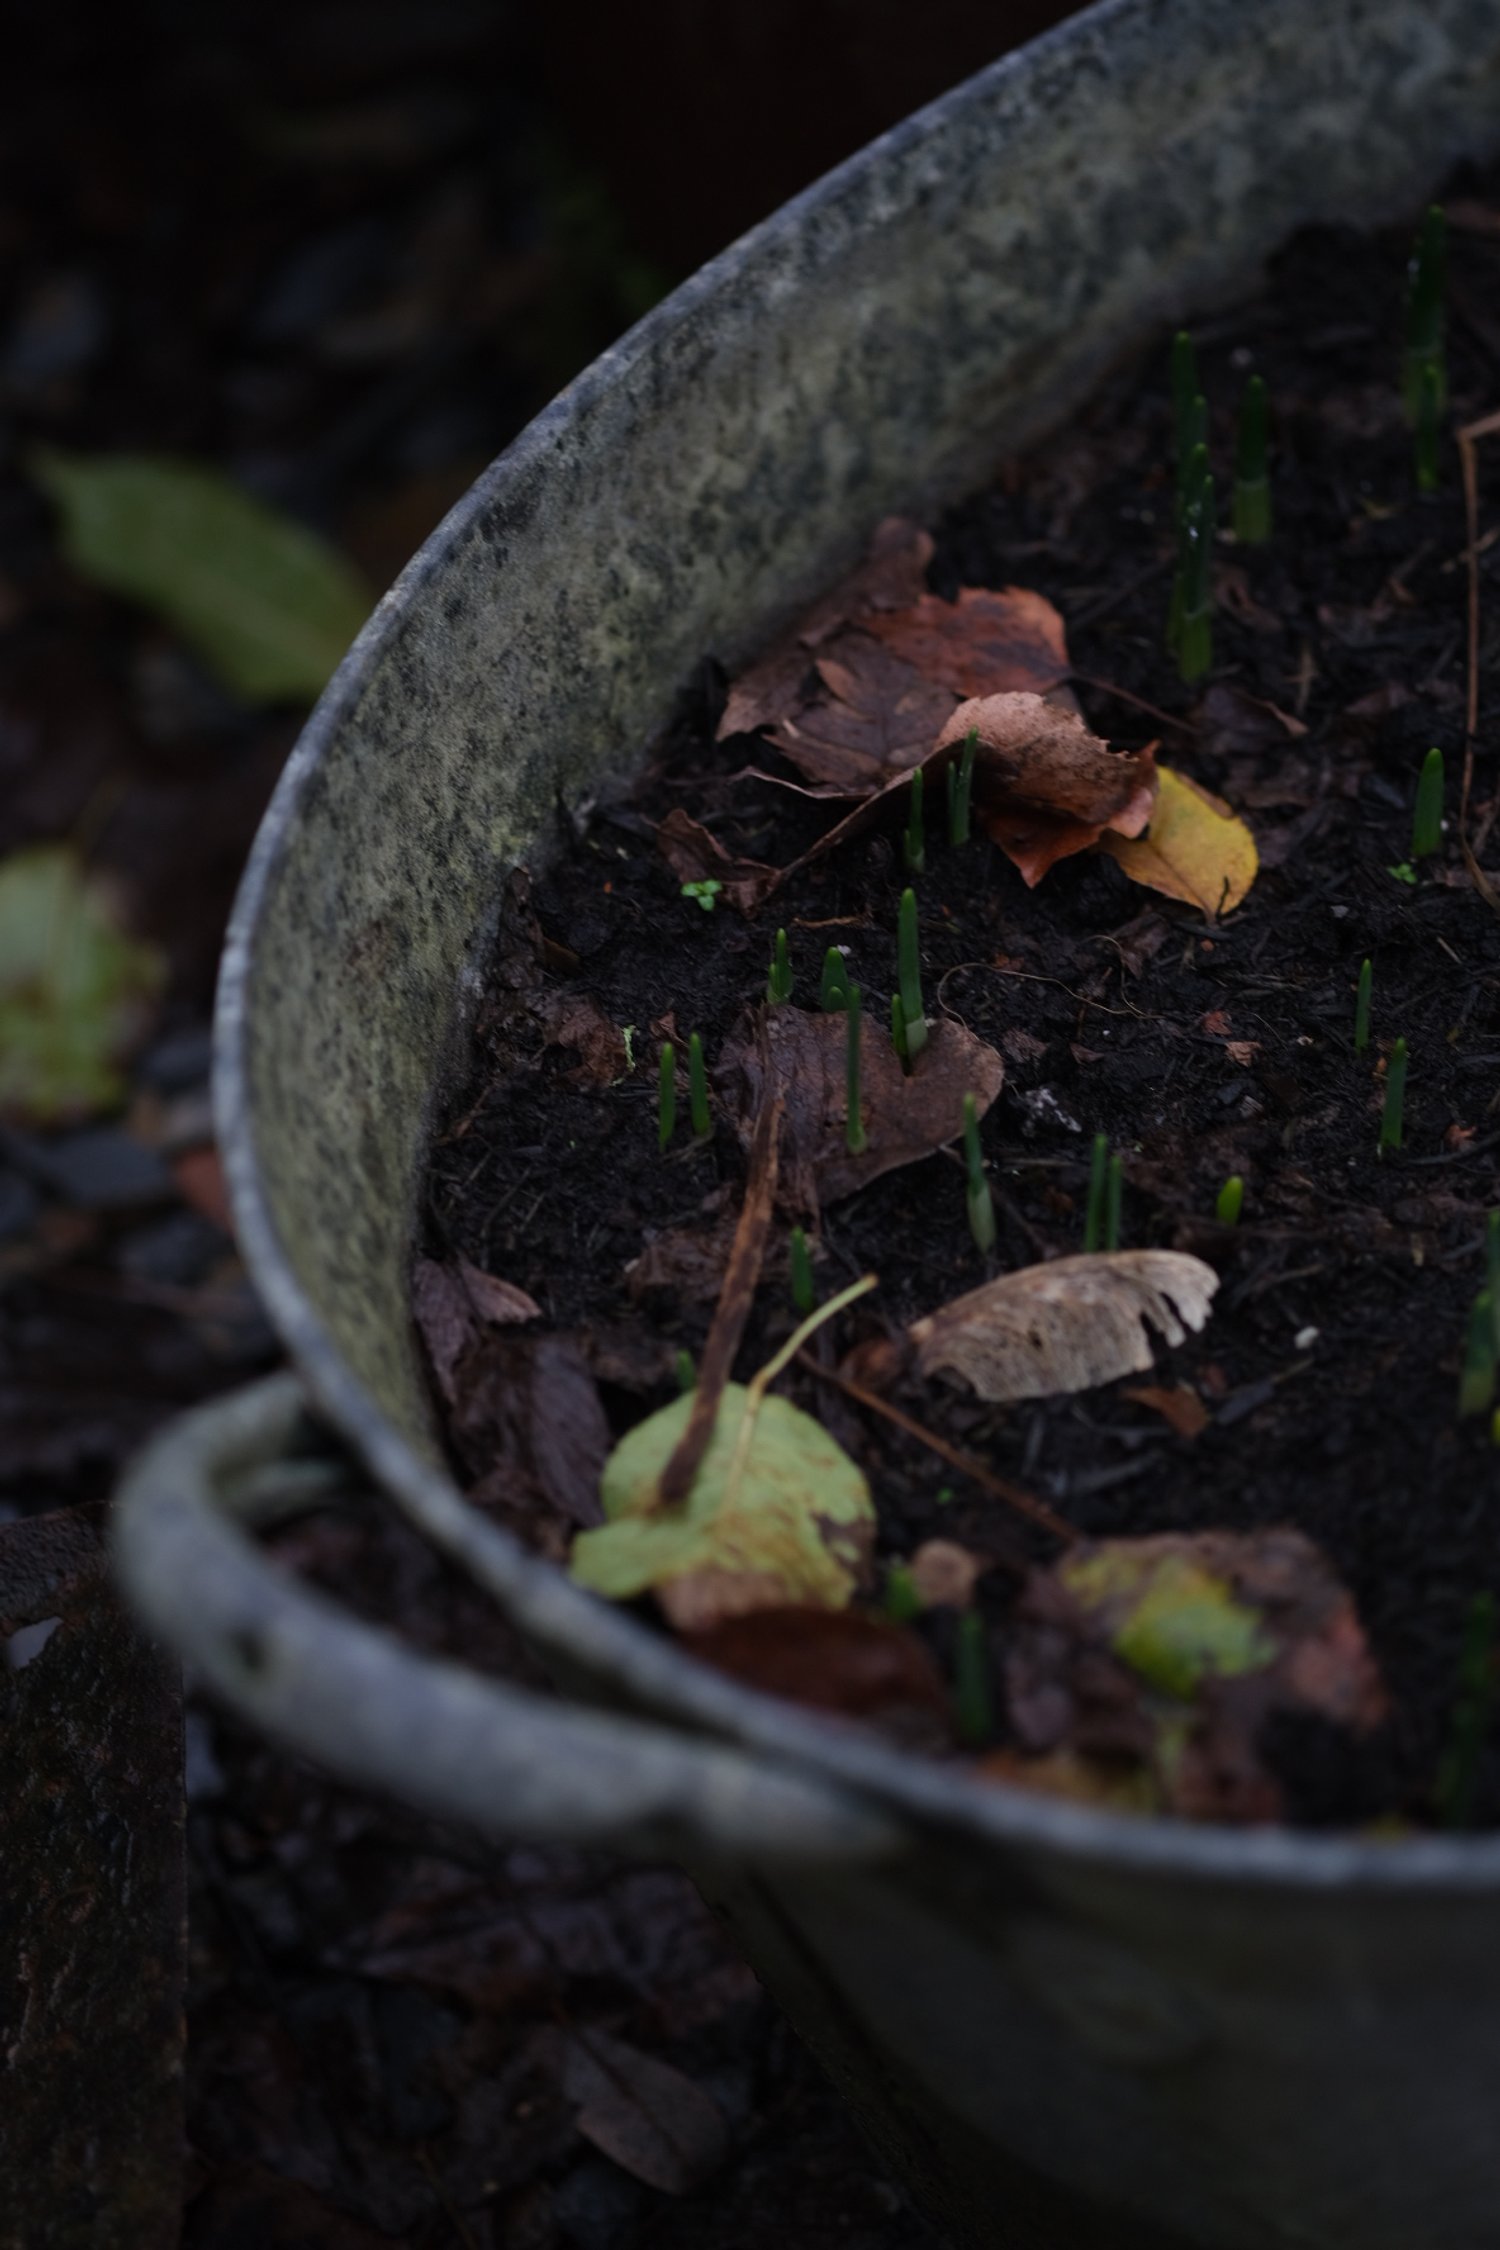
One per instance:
(1326, 1380)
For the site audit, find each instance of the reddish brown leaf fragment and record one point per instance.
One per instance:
(1044, 787)
(453, 1304)
(643, 2114)
(987, 642)
(694, 856)
(1180, 1406)
(803, 1059)
(871, 717)
(834, 1660)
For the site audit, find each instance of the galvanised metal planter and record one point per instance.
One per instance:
(1067, 2027)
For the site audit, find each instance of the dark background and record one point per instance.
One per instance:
(344, 253)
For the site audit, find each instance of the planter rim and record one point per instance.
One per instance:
(929, 1795)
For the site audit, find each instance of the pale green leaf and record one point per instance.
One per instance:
(266, 603)
(1170, 1620)
(785, 1519)
(73, 988)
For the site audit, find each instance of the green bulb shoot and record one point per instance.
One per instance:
(981, 1202)
(1473, 1711)
(1230, 1201)
(1395, 1098)
(1362, 1006)
(779, 981)
(666, 1097)
(1427, 821)
(1429, 418)
(804, 1293)
(902, 1601)
(913, 844)
(1425, 314)
(685, 1371)
(1114, 1185)
(1252, 479)
(1476, 1385)
(1185, 394)
(1093, 1220)
(1195, 640)
(855, 1139)
(909, 973)
(961, 789)
(698, 1111)
(833, 991)
(898, 1033)
(1192, 455)
(973, 1704)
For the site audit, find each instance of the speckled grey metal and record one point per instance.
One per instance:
(1072, 2029)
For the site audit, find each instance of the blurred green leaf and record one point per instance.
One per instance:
(74, 989)
(1171, 1620)
(788, 1507)
(265, 602)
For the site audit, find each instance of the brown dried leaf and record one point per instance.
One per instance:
(687, 1261)
(1067, 1326)
(871, 718)
(453, 1303)
(987, 642)
(1151, 1664)
(529, 1421)
(1180, 1407)
(832, 1660)
(575, 1022)
(905, 1118)
(945, 1574)
(1044, 787)
(694, 855)
(642, 2113)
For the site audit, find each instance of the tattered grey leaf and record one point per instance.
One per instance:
(1066, 1326)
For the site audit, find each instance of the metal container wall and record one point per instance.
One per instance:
(1068, 2028)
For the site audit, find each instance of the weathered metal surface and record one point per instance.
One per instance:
(92, 1941)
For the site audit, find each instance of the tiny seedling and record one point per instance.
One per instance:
(1429, 419)
(1230, 1201)
(685, 1371)
(627, 1034)
(1473, 1711)
(913, 844)
(973, 1704)
(698, 1111)
(779, 981)
(909, 971)
(1476, 1385)
(833, 991)
(1185, 394)
(666, 1096)
(1114, 1185)
(961, 789)
(1093, 1222)
(898, 1033)
(1427, 821)
(1395, 1098)
(902, 1601)
(1195, 637)
(1403, 871)
(705, 893)
(804, 1292)
(1252, 479)
(1362, 1006)
(854, 1125)
(981, 1202)
(1425, 278)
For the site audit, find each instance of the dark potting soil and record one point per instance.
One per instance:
(1328, 1372)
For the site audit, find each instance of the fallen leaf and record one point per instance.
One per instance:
(265, 602)
(1195, 848)
(75, 991)
(453, 1303)
(986, 642)
(945, 1574)
(687, 1262)
(1180, 1407)
(1044, 787)
(646, 2116)
(871, 718)
(1065, 1326)
(696, 856)
(529, 1425)
(784, 1520)
(905, 1118)
(1242, 1051)
(198, 1176)
(833, 1660)
(575, 1022)
(1150, 1665)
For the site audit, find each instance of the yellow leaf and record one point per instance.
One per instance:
(1195, 849)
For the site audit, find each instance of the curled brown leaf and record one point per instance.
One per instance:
(1044, 786)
